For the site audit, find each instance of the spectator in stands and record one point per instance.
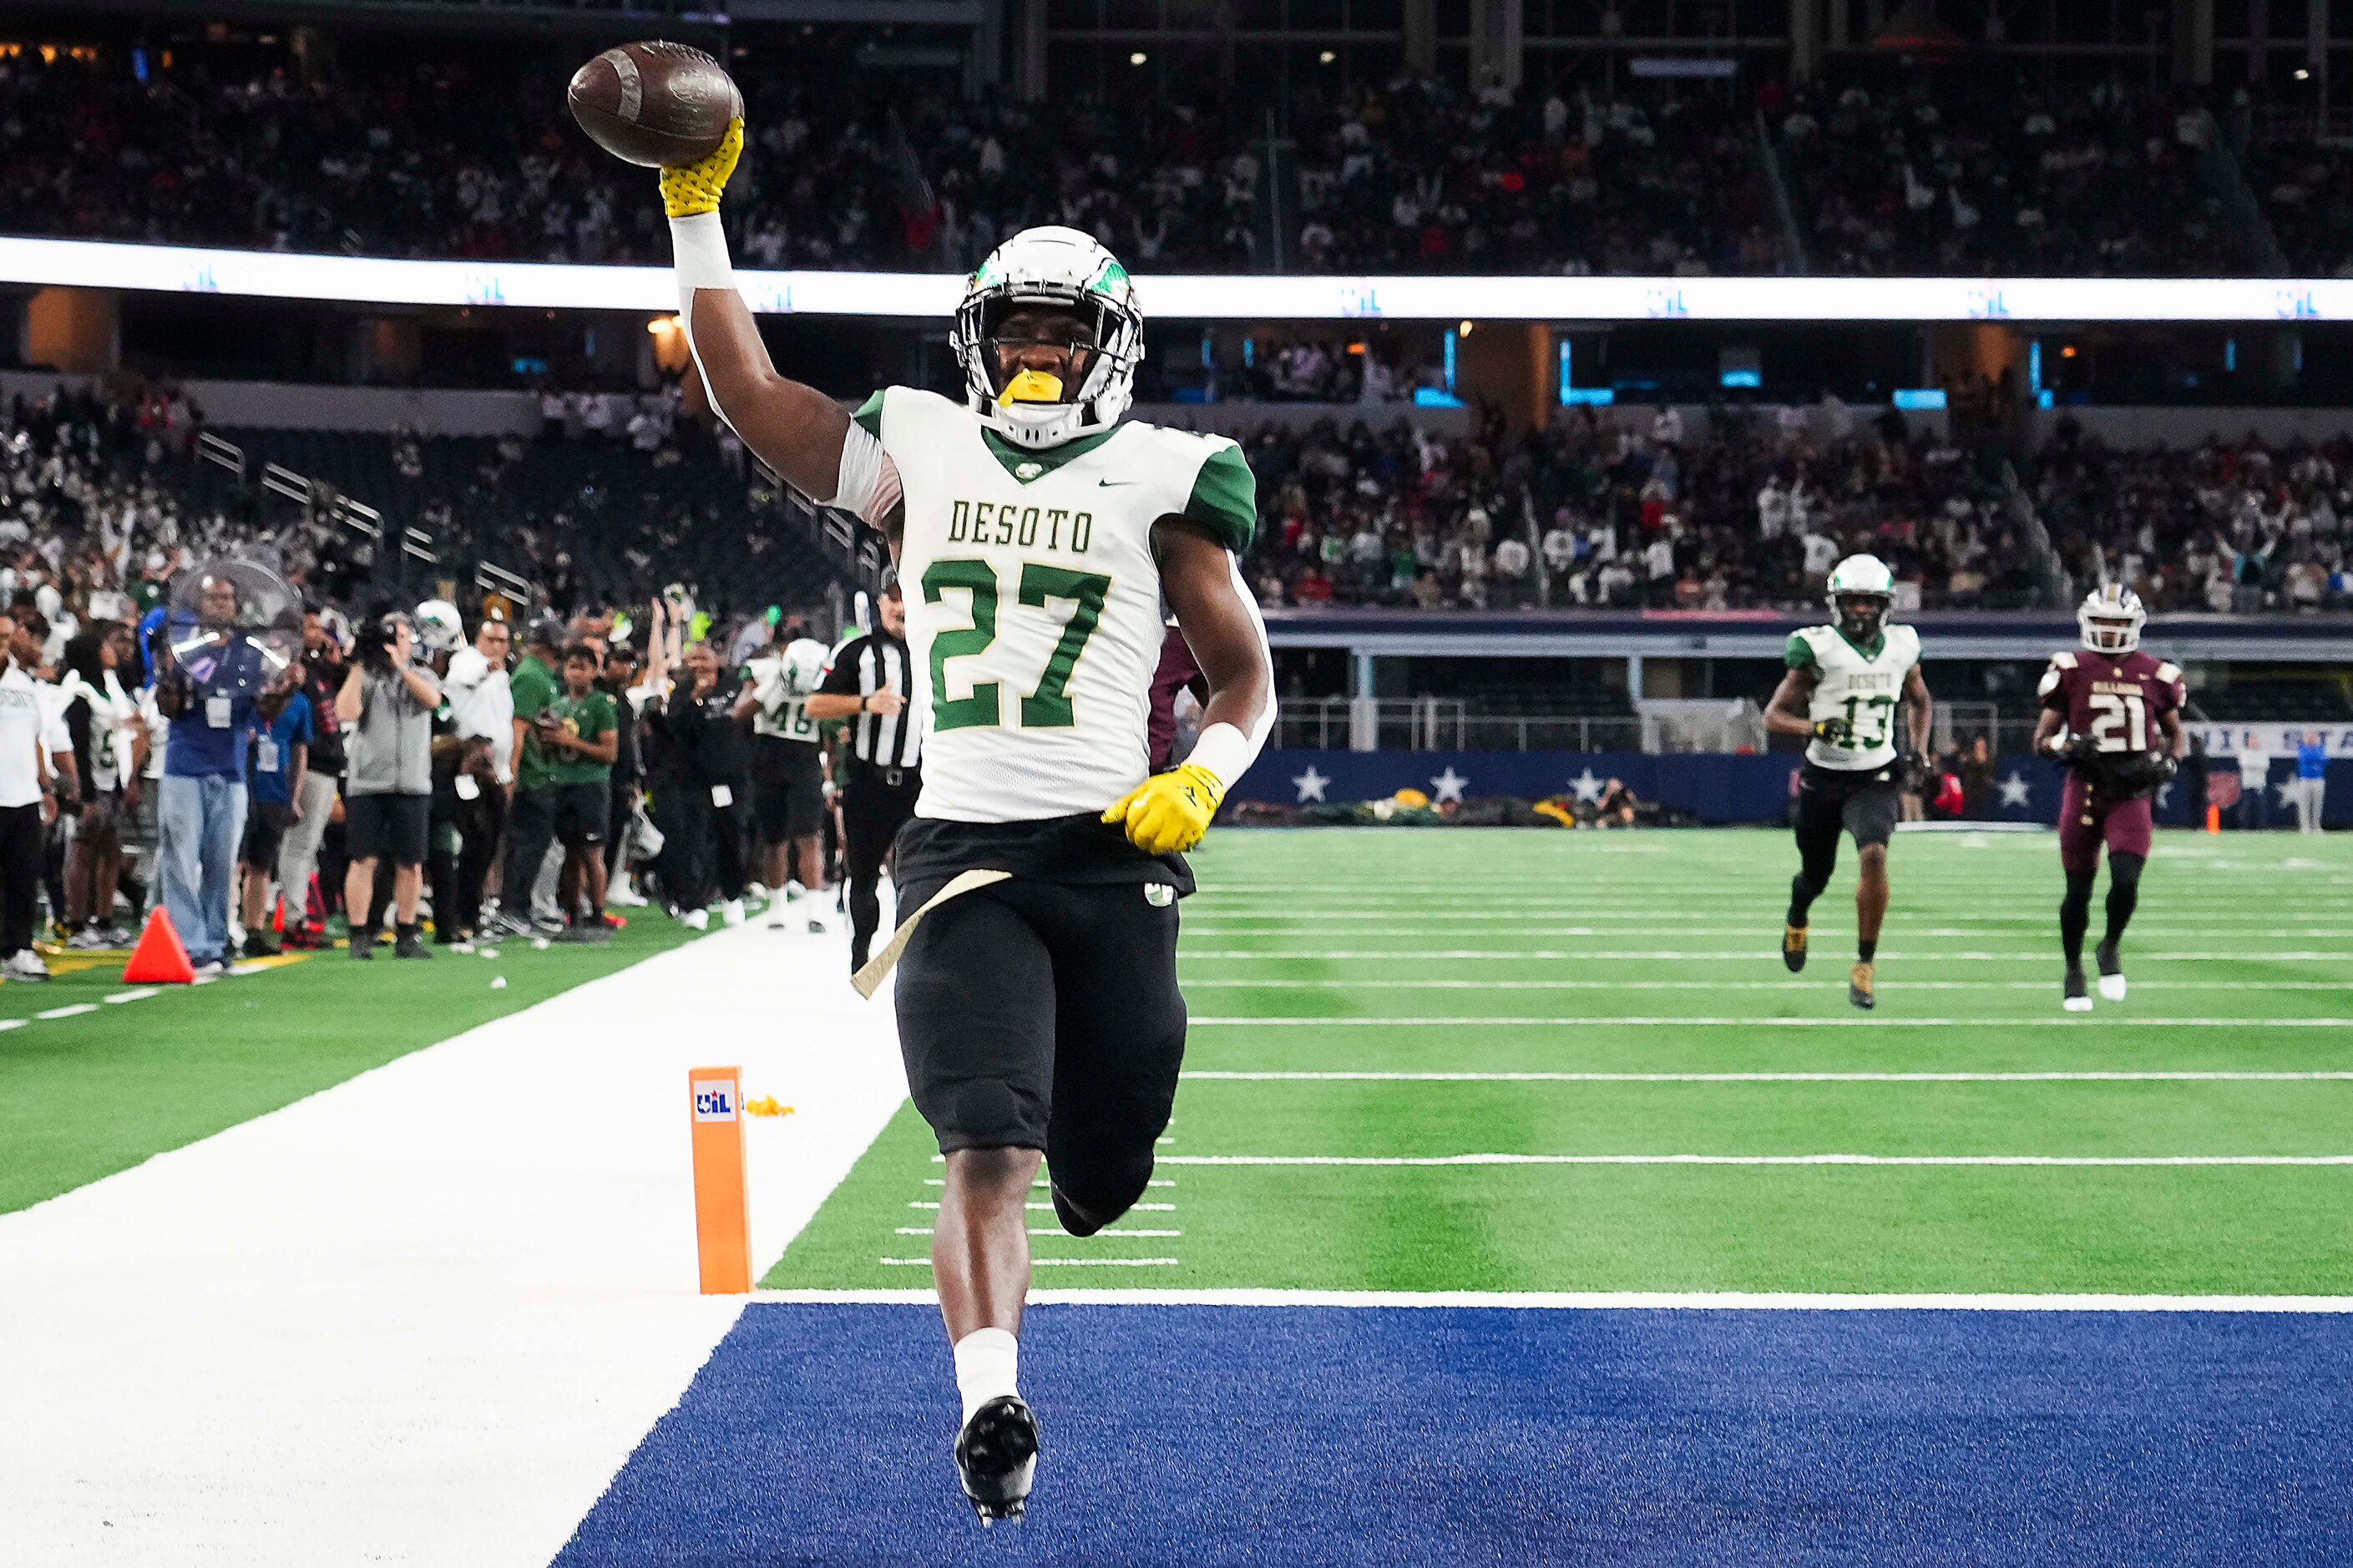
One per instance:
(203, 805)
(387, 704)
(28, 793)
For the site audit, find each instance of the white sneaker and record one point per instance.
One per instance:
(696, 920)
(625, 894)
(732, 911)
(2112, 987)
(25, 965)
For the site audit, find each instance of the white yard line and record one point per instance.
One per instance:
(423, 1317)
(2111, 1020)
(2218, 1077)
(1759, 1159)
(1609, 1300)
(73, 1010)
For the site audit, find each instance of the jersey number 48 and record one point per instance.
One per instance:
(1049, 706)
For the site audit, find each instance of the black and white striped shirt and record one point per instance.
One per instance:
(862, 666)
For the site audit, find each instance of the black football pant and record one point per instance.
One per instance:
(531, 828)
(873, 809)
(480, 823)
(705, 853)
(23, 843)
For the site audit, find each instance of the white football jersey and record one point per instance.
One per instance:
(782, 683)
(1033, 600)
(1862, 686)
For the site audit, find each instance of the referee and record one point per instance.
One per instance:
(867, 685)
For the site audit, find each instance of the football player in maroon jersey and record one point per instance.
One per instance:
(2111, 717)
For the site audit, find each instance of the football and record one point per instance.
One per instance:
(654, 103)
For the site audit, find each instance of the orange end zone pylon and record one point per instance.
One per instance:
(159, 959)
(722, 1225)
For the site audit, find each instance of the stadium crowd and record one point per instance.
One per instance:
(385, 151)
(1624, 508)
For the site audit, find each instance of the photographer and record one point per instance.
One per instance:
(387, 705)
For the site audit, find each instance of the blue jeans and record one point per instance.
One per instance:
(200, 821)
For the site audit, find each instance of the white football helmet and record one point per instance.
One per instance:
(2111, 617)
(440, 628)
(1051, 265)
(803, 666)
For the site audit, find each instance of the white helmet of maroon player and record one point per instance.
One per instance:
(2111, 616)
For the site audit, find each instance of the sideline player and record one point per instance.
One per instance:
(1038, 538)
(787, 771)
(1844, 683)
(2112, 716)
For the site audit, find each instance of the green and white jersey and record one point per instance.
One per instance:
(1862, 685)
(1033, 600)
(781, 680)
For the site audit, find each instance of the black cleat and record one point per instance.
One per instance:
(1793, 948)
(2075, 998)
(996, 1454)
(1862, 988)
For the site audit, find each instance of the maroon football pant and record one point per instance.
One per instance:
(2086, 822)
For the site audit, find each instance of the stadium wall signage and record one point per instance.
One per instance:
(361, 280)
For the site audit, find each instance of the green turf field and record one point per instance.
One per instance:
(131, 1072)
(1454, 970)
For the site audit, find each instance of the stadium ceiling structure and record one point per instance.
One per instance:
(1289, 296)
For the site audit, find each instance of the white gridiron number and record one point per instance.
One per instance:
(2120, 723)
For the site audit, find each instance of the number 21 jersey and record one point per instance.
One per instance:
(2114, 701)
(1033, 597)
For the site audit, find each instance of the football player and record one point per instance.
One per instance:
(2111, 717)
(1843, 690)
(1039, 536)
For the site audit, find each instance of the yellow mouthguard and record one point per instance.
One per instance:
(1031, 386)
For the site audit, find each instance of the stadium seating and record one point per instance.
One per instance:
(390, 150)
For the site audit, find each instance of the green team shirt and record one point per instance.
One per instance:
(592, 718)
(533, 685)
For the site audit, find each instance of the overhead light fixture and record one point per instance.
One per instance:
(1137, 59)
(1327, 57)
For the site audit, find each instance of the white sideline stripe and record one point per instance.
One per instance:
(11, 1023)
(140, 993)
(2218, 1077)
(2081, 1021)
(1047, 1263)
(1814, 984)
(421, 1317)
(1752, 955)
(74, 1010)
(1759, 1158)
(1599, 1300)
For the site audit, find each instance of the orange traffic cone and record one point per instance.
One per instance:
(2213, 819)
(159, 959)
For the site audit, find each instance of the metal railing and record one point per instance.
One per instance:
(1444, 724)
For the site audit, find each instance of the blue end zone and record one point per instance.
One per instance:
(1195, 1435)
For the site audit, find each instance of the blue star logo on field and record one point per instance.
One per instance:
(1587, 788)
(2014, 791)
(1447, 785)
(1310, 784)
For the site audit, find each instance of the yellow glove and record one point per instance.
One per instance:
(691, 188)
(1169, 812)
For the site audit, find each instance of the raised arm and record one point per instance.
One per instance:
(798, 431)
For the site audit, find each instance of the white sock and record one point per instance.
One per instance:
(985, 1361)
